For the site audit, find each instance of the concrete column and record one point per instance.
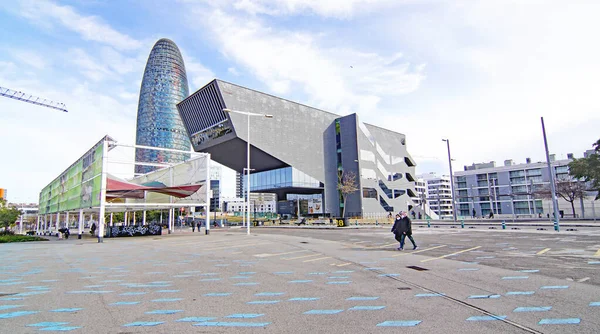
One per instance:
(111, 219)
(125, 222)
(51, 222)
(67, 219)
(57, 221)
(169, 220)
(133, 218)
(80, 225)
(37, 225)
(144, 218)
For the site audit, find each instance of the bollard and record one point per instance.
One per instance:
(356, 222)
(556, 227)
(503, 225)
(462, 223)
(376, 222)
(428, 223)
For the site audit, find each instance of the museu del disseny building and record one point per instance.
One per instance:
(301, 150)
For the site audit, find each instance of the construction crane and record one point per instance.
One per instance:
(32, 99)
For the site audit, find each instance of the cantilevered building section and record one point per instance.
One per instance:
(300, 151)
(158, 122)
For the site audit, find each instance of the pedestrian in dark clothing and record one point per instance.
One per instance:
(474, 213)
(198, 226)
(193, 226)
(93, 229)
(403, 228)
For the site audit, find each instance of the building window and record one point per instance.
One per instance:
(369, 193)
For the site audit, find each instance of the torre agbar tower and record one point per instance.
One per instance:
(158, 122)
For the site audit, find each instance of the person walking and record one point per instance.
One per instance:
(396, 230)
(403, 230)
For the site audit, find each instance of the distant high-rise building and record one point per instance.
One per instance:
(158, 122)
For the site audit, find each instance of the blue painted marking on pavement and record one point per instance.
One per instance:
(166, 300)
(93, 286)
(232, 324)
(366, 308)
(339, 282)
(164, 311)
(362, 298)
(323, 311)
(124, 303)
(209, 279)
(239, 277)
(484, 296)
(11, 298)
(113, 281)
(47, 324)
(338, 277)
(167, 291)
(388, 275)
(181, 276)
(222, 265)
(60, 328)
(209, 274)
(143, 323)
(533, 309)
(298, 299)
(195, 319)
(133, 293)
(38, 288)
(429, 295)
(375, 268)
(245, 315)
(16, 314)
(31, 293)
(75, 309)
(594, 262)
(8, 307)
(485, 257)
(192, 272)
(268, 294)
(595, 304)
(9, 280)
(514, 277)
(512, 293)
(217, 294)
(468, 269)
(567, 321)
(88, 292)
(247, 272)
(12, 283)
(486, 318)
(343, 271)
(555, 287)
(263, 302)
(283, 272)
(317, 273)
(402, 323)
(529, 271)
(161, 282)
(301, 281)
(247, 283)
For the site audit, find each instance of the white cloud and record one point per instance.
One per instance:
(90, 28)
(329, 8)
(29, 58)
(90, 66)
(339, 79)
(198, 75)
(233, 71)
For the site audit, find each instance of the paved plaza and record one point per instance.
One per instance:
(301, 280)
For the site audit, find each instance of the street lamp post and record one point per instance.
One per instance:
(451, 178)
(552, 185)
(247, 158)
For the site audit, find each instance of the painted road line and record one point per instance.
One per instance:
(383, 246)
(555, 287)
(8, 307)
(597, 253)
(583, 279)
(59, 328)
(402, 323)
(301, 281)
(300, 257)
(515, 293)
(143, 323)
(484, 296)
(166, 300)
(429, 295)
(595, 304)
(232, 324)
(594, 262)
(164, 311)
(344, 264)
(468, 269)
(269, 294)
(195, 319)
(248, 283)
(543, 251)
(124, 303)
(362, 298)
(237, 246)
(263, 302)
(567, 321)
(486, 318)
(318, 259)
(529, 271)
(455, 253)
(323, 311)
(245, 315)
(283, 272)
(514, 277)
(297, 299)
(133, 293)
(339, 282)
(67, 310)
(533, 309)
(419, 251)
(366, 308)
(47, 324)
(278, 254)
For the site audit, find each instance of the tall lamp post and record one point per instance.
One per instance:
(451, 179)
(552, 185)
(248, 158)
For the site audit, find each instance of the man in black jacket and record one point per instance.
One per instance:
(403, 228)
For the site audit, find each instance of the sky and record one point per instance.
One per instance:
(479, 73)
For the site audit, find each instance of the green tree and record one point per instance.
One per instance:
(8, 215)
(588, 169)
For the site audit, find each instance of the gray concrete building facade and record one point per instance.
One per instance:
(301, 150)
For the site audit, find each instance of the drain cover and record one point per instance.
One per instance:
(416, 268)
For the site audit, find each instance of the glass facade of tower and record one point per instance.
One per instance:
(158, 122)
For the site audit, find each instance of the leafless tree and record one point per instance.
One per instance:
(347, 185)
(566, 188)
